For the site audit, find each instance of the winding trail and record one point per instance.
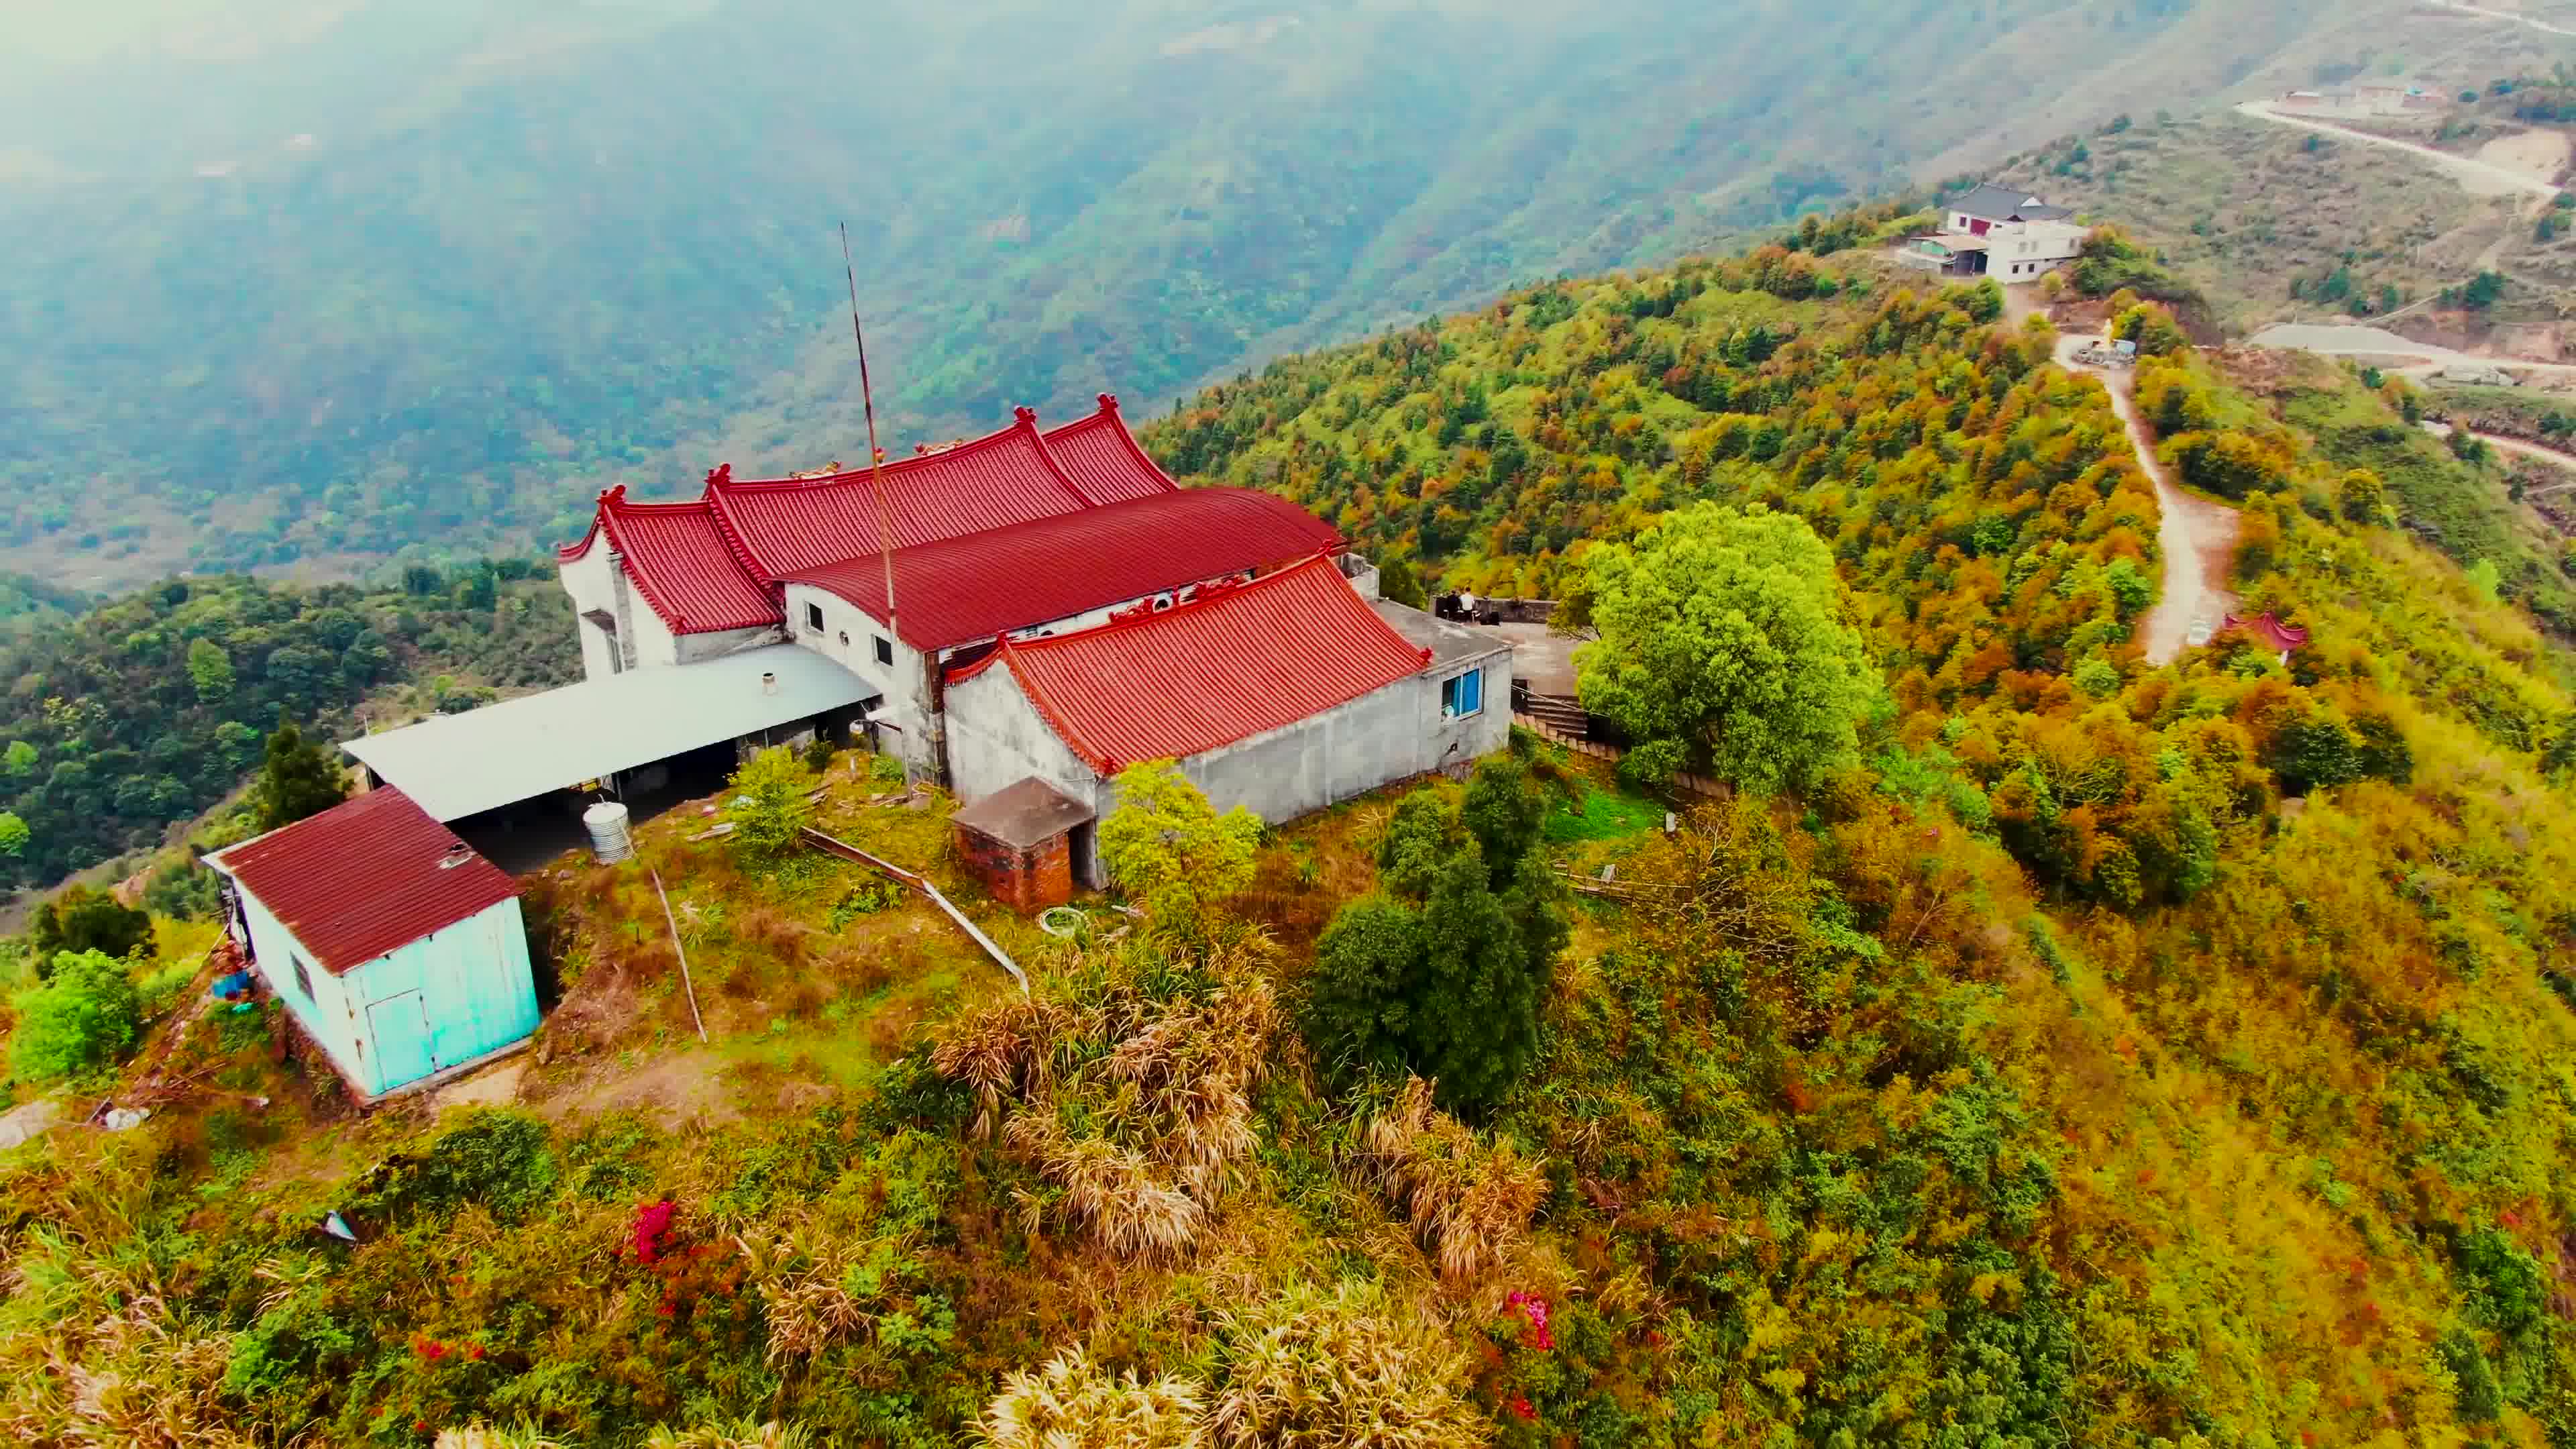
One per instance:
(2196, 537)
(2519, 448)
(2478, 178)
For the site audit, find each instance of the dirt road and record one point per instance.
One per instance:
(2391, 352)
(2480, 10)
(2197, 538)
(2515, 446)
(2478, 178)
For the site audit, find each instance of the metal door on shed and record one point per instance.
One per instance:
(400, 1026)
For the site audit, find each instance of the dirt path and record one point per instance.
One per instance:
(2478, 178)
(2394, 353)
(2480, 10)
(2197, 537)
(2519, 448)
(2539, 155)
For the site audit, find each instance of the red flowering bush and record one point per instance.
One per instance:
(1533, 1308)
(652, 1220)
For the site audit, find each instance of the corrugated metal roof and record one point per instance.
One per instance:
(964, 589)
(463, 764)
(786, 526)
(1212, 672)
(365, 878)
(1103, 457)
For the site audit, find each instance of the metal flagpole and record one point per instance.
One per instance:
(876, 455)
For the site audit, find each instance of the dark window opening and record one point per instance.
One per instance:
(303, 978)
(885, 651)
(814, 617)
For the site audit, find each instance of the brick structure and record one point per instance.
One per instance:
(1020, 843)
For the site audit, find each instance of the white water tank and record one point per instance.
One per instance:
(606, 822)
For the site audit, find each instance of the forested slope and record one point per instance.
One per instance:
(140, 712)
(2083, 1053)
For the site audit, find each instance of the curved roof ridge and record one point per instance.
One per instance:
(1109, 424)
(981, 475)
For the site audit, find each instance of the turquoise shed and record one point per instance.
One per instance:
(399, 951)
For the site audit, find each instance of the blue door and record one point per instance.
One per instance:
(401, 1030)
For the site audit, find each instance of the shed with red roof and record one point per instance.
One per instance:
(398, 950)
(1284, 695)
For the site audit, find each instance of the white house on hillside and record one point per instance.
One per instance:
(2000, 232)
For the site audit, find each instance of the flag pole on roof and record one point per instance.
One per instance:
(876, 455)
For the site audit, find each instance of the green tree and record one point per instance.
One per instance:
(2153, 329)
(14, 834)
(19, 760)
(767, 803)
(1169, 850)
(1722, 637)
(2364, 496)
(82, 919)
(2483, 292)
(296, 781)
(85, 1016)
(211, 670)
(1444, 971)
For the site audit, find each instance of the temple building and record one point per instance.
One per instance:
(1060, 608)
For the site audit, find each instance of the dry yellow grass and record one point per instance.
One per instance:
(1470, 1204)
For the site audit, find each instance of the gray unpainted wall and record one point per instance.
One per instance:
(997, 738)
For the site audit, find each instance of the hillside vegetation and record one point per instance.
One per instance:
(2081, 1053)
(374, 277)
(141, 712)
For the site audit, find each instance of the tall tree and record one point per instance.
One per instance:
(298, 779)
(210, 670)
(1444, 971)
(1722, 640)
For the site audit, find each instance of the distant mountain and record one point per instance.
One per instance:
(361, 276)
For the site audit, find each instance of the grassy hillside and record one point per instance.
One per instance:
(375, 277)
(2096, 1054)
(2276, 224)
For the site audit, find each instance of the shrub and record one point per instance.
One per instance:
(86, 1016)
(494, 1157)
(1171, 852)
(766, 801)
(81, 919)
(1073, 1401)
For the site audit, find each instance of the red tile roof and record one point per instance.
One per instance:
(1103, 457)
(961, 590)
(2266, 627)
(785, 526)
(1223, 668)
(680, 563)
(712, 564)
(365, 878)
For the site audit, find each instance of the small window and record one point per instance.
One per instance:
(814, 617)
(1463, 696)
(885, 651)
(303, 978)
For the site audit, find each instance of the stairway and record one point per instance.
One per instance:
(1558, 713)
